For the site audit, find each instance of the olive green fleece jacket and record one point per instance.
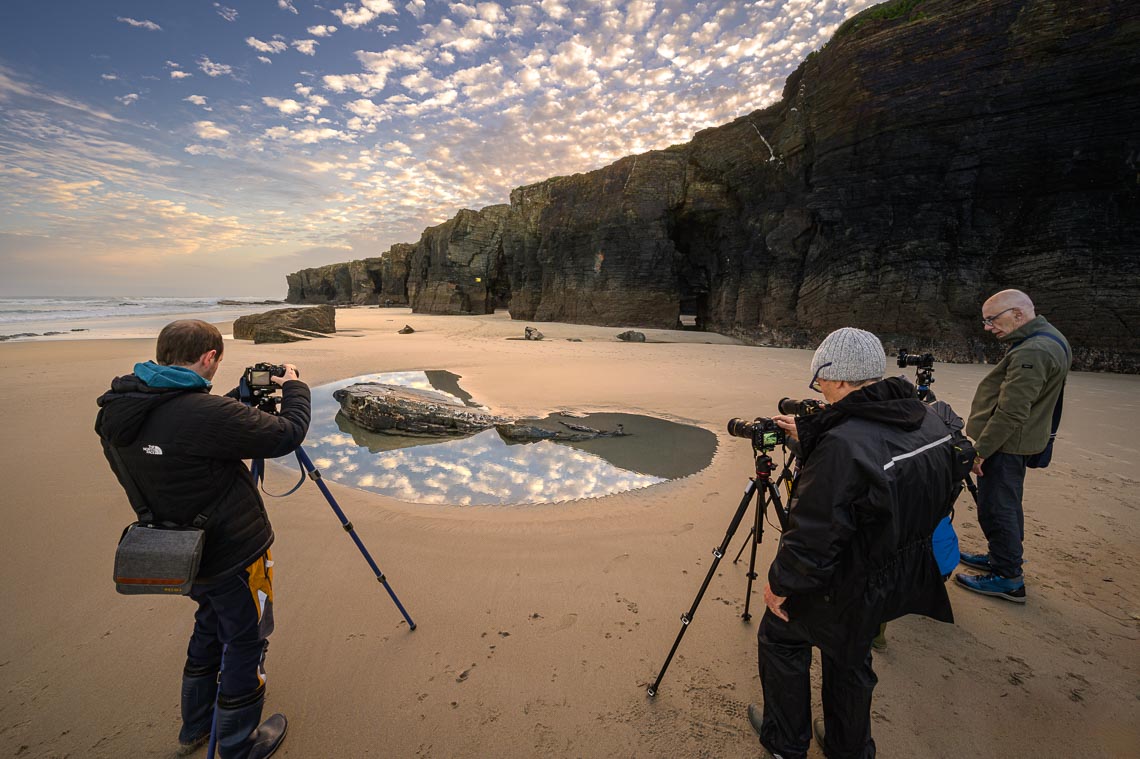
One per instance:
(1012, 410)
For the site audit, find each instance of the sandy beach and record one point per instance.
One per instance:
(540, 626)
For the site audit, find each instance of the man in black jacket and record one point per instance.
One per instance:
(183, 448)
(876, 477)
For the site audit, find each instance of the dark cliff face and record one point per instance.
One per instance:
(931, 154)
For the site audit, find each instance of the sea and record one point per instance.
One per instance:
(84, 317)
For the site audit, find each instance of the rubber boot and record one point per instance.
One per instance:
(240, 736)
(199, 689)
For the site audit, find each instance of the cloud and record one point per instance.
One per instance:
(287, 107)
(263, 59)
(321, 31)
(108, 77)
(354, 16)
(287, 5)
(308, 47)
(150, 26)
(208, 130)
(273, 46)
(10, 85)
(416, 8)
(196, 99)
(209, 68)
(229, 14)
(180, 74)
(128, 99)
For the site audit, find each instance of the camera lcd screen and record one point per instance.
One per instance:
(259, 378)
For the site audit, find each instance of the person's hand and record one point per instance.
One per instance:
(978, 460)
(775, 603)
(787, 423)
(291, 373)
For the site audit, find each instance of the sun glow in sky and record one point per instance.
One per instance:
(212, 147)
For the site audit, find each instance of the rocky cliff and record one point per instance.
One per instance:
(933, 152)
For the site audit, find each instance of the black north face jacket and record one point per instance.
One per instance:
(876, 478)
(184, 450)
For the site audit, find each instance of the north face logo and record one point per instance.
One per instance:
(153, 450)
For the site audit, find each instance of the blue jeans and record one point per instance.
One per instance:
(236, 613)
(1000, 514)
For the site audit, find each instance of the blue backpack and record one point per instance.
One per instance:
(945, 543)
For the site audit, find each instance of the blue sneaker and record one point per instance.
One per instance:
(975, 560)
(1009, 588)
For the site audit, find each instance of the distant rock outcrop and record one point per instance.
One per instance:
(286, 325)
(933, 152)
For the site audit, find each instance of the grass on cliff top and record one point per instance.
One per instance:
(883, 12)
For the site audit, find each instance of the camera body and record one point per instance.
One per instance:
(923, 361)
(806, 407)
(259, 376)
(764, 433)
(257, 387)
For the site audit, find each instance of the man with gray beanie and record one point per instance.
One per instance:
(876, 477)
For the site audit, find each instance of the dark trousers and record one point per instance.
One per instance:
(235, 613)
(785, 675)
(1000, 514)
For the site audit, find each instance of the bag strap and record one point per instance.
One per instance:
(134, 494)
(1049, 335)
(1060, 398)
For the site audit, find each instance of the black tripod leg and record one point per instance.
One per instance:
(757, 537)
(315, 475)
(718, 553)
(751, 534)
(973, 488)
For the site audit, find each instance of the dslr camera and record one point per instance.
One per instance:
(764, 433)
(257, 387)
(259, 376)
(923, 361)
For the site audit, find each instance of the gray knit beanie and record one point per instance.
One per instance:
(854, 355)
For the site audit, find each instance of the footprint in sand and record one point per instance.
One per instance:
(684, 528)
(615, 562)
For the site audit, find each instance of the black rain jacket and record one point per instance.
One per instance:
(185, 450)
(876, 477)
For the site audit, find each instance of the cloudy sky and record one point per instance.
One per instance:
(209, 148)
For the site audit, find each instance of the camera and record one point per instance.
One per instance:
(257, 388)
(800, 408)
(764, 433)
(924, 361)
(259, 376)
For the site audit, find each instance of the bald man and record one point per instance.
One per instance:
(1011, 420)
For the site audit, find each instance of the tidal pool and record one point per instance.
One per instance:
(484, 469)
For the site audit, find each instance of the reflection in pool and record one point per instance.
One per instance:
(484, 469)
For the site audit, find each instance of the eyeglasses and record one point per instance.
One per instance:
(814, 384)
(989, 320)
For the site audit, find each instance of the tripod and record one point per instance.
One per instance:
(257, 468)
(765, 491)
(261, 397)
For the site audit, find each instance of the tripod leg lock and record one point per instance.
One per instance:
(718, 553)
(686, 619)
(381, 578)
(347, 526)
(752, 575)
(314, 474)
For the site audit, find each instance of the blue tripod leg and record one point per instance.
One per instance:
(315, 476)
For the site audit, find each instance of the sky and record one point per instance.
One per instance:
(210, 148)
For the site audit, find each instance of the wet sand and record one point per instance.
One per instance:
(540, 626)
